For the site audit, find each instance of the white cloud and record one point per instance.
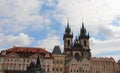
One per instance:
(98, 16)
(20, 15)
(95, 14)
(49, 42)
(19, 6)
(18, 40)
(116, 57)
(105, 48)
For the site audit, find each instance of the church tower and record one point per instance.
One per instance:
(77, 53)
(84, 37)
(84, 41)
(68, 36)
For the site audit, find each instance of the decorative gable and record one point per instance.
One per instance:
(12, 55)
(36, 55)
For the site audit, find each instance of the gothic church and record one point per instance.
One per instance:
(77, 52)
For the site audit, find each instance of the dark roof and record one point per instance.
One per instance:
(56, 50)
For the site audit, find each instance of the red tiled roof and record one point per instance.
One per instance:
(26, 49)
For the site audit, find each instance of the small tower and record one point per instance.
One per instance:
(68, 36)
(77, 44)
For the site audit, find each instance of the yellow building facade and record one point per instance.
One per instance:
(103, 65)
(58, 61)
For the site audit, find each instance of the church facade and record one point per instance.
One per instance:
(77, 53)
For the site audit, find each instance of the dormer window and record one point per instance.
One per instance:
(47, 55)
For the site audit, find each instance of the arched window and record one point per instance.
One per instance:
(56, 69)
(53, 69)
(83, 71)
(71, 53)
(68, 42)
(60, 69)
(84, 42)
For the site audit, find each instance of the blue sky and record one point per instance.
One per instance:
(41, 23)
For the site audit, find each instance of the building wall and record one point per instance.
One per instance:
(48, 65)
(58, 63)
(1, 71)
(118, 66)
(103, 65)
(75, 66)
(22, 63)
(20, 58)
(14, 63)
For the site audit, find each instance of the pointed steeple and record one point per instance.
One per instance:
(68, 32)
(68, 29)
(82, 24)
(68, 24)
(83, 30)
(67, 37)
(83, 33)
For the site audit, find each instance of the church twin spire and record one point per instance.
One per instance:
(82, 32)
(68, 36)
(80, 44)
